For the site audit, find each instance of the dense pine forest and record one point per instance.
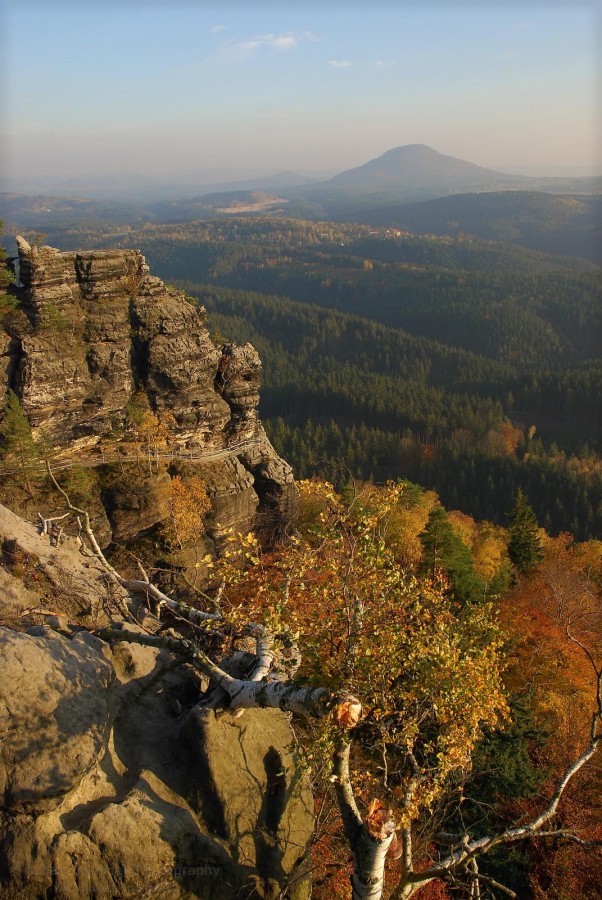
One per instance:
(468, 366)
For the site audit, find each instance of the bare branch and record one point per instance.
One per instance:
(495, 884)
(133, 585)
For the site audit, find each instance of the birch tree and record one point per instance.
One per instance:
(400, 679)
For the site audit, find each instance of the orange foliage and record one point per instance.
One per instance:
(565, 592)
(503, 439)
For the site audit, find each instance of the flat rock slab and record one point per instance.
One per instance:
(55, 715)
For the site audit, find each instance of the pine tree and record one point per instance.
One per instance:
(444, 550)
(7, 302)
(5, 276)
(17, 438)
(524, 547)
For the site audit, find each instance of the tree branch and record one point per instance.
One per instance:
(243, 694)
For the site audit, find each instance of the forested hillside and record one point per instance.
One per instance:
(344, 395)
(554, 224)
(469, 366)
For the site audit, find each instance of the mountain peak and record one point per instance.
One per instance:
(418, 165)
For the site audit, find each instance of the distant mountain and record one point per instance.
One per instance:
(418, 166)
(410, 173)
(414, 173)
(569, 225)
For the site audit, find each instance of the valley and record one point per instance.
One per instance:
(467, 365)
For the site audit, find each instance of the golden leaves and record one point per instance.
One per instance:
(188, 504)
(429, 679)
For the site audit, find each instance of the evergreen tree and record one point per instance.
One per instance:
(7, 302)
(17, 438)
(524, 547)
(5, 276)
(445, 550)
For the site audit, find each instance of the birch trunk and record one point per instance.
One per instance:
(369, 852)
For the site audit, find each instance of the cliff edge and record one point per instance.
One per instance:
(94, 329)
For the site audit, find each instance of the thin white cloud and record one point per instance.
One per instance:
(234, 51)
(383, 63)
(215, 29)
(339, 63)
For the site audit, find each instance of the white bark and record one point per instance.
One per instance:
(467, 850)
(242, 694)
(369, 852)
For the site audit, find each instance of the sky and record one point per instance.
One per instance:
(160, 89)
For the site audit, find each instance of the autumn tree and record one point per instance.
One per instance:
(429, 679)
(151, 430)
(398, 680)
(188, 505)
(555, 615)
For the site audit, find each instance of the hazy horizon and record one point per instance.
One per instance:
(143, 89)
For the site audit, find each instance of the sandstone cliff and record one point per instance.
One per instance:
(95, 328)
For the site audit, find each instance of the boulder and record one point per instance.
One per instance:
(117, 784)
(55, 713)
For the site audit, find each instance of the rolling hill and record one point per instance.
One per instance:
(569, 225)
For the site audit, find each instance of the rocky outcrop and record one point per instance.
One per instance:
(36, 574)
(111, 777)
(114, 781)
(95, 329)
(51, 689)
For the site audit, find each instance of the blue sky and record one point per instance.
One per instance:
(155, 88)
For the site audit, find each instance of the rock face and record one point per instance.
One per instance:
(106, 792)
(51, 688)
(95, 329)
(34, 573)
(114, 782)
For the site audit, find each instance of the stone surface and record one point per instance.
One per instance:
(36, 573)
(136, 501)
(238, 381)
(116, 784)
(245, 786)
(54, 717)
(274, 483)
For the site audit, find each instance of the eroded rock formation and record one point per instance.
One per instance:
(92, 330)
